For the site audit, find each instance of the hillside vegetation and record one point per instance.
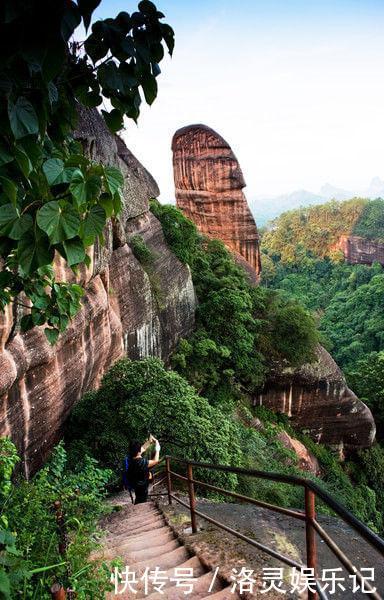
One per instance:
(345, 300)
(317, 229)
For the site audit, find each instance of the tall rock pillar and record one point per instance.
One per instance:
(209, 184)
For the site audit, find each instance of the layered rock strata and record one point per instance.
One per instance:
(125, 311)
(317, 400)
(360, 250)
(209, 184)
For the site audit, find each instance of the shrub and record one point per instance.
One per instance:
(141, 397)
(140, 250)
(29, 557)
(237, 336)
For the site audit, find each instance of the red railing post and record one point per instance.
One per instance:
(169, 481)
(310, 535)
(58, 592)
(192, 499)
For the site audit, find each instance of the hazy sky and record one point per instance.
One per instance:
(296, 88)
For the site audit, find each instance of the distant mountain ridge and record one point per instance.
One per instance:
(265, 209)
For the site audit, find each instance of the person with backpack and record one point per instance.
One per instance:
(138, 474)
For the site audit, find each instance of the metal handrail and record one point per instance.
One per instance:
(312, 526)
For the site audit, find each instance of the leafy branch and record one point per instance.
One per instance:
(54, 200)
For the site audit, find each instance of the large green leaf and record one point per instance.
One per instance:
(5, 586)
(114, 178)
(93, 187)
(114, 119)
(53, 170)
(147, 7)
(34, 251)
(86, 8)
(109, 76)
(52, 334)
(149, 85)
(95, 47)
(9, 188)
(23, 161)
(32, 148)
(74, 250)
(93, 224)
(169, 36)
(106, 201)
(22, 118)
(12, 224)
(78, 187)
(5, 155)
(60, 221)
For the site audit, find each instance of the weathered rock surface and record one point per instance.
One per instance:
(307, 461)
(209, 184)
(125, 311)
(317, 399)
(360, 250)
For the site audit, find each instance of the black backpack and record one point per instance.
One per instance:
(138, 473)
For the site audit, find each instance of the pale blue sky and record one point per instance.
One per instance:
(295, 86)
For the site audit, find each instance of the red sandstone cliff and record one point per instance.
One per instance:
(209, 184)
(121, 314)
(317, 399)
(360, 250)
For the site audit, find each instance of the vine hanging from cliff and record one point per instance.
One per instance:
(52, 198)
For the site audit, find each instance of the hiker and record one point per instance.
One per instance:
(138, 474)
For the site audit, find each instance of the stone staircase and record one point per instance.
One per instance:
(140, 536)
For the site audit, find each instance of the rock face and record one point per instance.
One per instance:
(317, 399)
(359, 250)
(124, 312)
(306, 460)
(209, 184)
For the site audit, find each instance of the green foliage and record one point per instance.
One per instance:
(347, 301)
(138, 397)
(370, 472)
(342, 480)
(354, 322)
(29, 557)
(52, 199)
(237, 336)
(371, 222)
(180, 233)
(313, 229)
(366, 378)
(141, 251)
(147, 259)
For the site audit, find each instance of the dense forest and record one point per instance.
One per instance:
(54, 199)
(201, 404)
(346, 300)
(317, 229)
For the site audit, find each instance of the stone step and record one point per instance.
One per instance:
(130, 552)
(155, 539)
(192, 563)
(133, 509)
(140, 528)
(200, 587)
(133, 519)
(164, 562)
(124, 516)
(224, 594)
(125, 547)
(141, 536)
(149, 552)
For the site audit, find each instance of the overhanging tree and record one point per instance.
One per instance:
(52, 198)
